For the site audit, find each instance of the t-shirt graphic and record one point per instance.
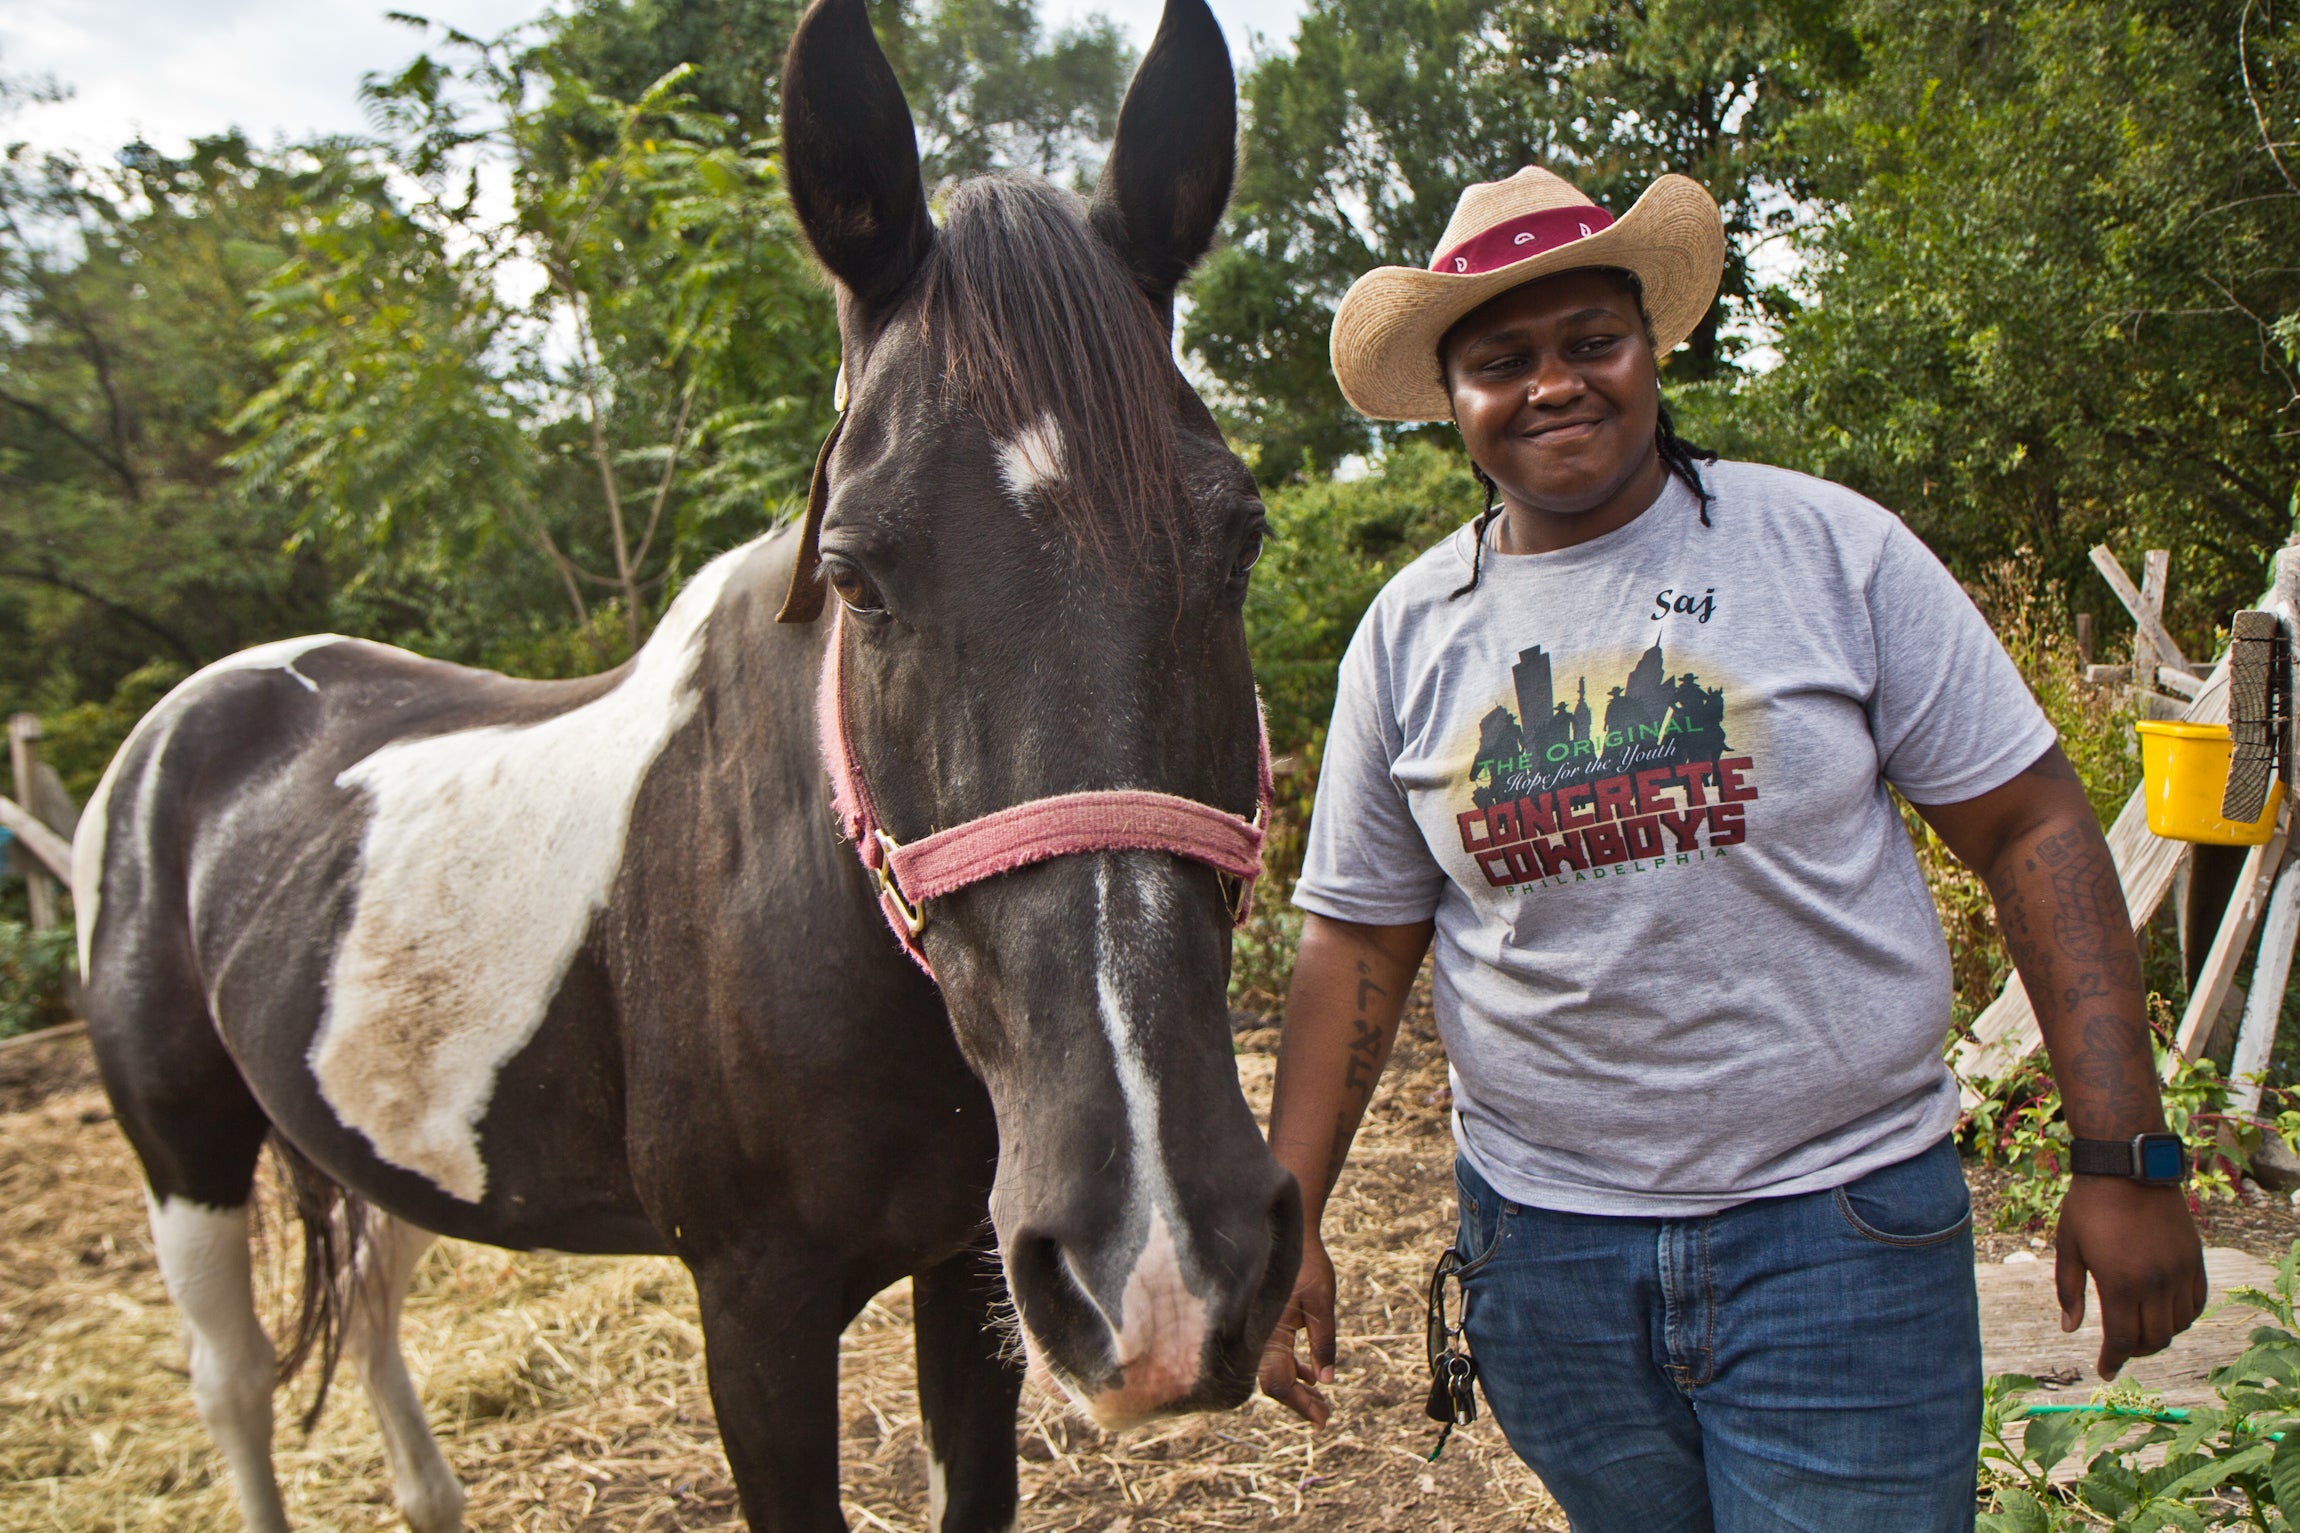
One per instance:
(1651, 778)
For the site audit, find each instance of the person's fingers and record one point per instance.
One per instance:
(2119, 1333)
(1290, 1381)
(2068, 1279)
(1279, 1362)
(1318, 1318)
(2155, 1323)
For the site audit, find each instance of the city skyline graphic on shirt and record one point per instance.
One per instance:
(1651, 719)
(1580, 792)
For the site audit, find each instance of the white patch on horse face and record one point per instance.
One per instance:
(1031, 458)
(1162, 1323)
(486, 854)
(88, 843)
(204, 1262)
(937, 1492)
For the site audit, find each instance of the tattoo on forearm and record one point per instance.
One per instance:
(2088, 920)
(2028, 954)
(1365, 1058)
(2061, 908)
(1360, 1072)
(2112, 1059)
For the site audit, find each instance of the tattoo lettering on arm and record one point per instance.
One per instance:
(1365, 1064)
(1363, 1069)
(1365, 1059)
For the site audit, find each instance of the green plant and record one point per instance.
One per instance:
(2231, 1465)
(35, 977)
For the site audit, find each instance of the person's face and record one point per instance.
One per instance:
(1554, 391)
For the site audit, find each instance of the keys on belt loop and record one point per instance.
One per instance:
(1453, 1372)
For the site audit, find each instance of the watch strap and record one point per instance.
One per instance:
(2154, 1160)
(2101, 1157)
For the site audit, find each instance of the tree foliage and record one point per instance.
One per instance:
(1360, 140)
(124, 346)
(2049, 299)
(487, 382)
(490, 380)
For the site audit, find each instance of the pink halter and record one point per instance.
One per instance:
(1108, 820)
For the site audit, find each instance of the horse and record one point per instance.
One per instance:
(815, 952)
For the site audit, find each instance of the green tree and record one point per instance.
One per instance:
(991, 93)
(124, 537)
(1361, 139)
(654, 390)
(2041, 304)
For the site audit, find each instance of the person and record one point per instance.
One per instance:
(1715, 1247)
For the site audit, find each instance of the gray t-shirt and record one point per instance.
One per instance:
(1684, 954)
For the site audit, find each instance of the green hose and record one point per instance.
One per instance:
(2108, 1410)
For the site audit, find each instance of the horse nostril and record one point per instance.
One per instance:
(1060, 1314)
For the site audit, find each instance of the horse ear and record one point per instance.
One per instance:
(850, 156)
(1168, 177)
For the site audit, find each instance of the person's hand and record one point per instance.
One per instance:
(1286, 1377)
(2142, 1250)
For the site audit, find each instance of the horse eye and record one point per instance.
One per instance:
(855, 589)
(1249, 554)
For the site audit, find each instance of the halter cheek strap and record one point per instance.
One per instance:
(1068, 824)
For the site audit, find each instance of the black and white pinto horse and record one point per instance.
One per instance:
(588, 965)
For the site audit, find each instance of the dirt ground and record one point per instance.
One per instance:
(569, 1395)
(568, 1392)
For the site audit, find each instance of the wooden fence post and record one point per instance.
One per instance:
(23, 731)
(2256, 1037)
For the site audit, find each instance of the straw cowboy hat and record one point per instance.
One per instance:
(1503, 234)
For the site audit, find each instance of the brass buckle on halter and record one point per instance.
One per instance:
(1234, 897)
(913, 918)
(1235, 890)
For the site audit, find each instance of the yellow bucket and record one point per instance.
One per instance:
(2184, 769)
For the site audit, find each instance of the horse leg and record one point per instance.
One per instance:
(426, 1489)
(204, 1261)
(198, 1132)
(968, 1385)
(771, 1347)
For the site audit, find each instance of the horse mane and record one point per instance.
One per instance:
(1035, 317)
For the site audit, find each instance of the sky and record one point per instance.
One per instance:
(166, 70)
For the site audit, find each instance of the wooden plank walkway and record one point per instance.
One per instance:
(2020, 1331)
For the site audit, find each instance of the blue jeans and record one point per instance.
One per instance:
(1810, 1362)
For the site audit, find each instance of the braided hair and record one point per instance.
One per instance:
(1680, 458)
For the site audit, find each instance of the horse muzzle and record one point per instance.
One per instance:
(1168, 1331)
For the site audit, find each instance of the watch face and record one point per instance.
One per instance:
(2162, 1159)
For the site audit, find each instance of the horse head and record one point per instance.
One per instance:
(1039, 546)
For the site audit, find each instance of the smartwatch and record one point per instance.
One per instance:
(2153, 1160)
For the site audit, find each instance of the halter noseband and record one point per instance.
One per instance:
(1068, 824)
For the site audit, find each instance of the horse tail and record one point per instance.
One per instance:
(332, 1223)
